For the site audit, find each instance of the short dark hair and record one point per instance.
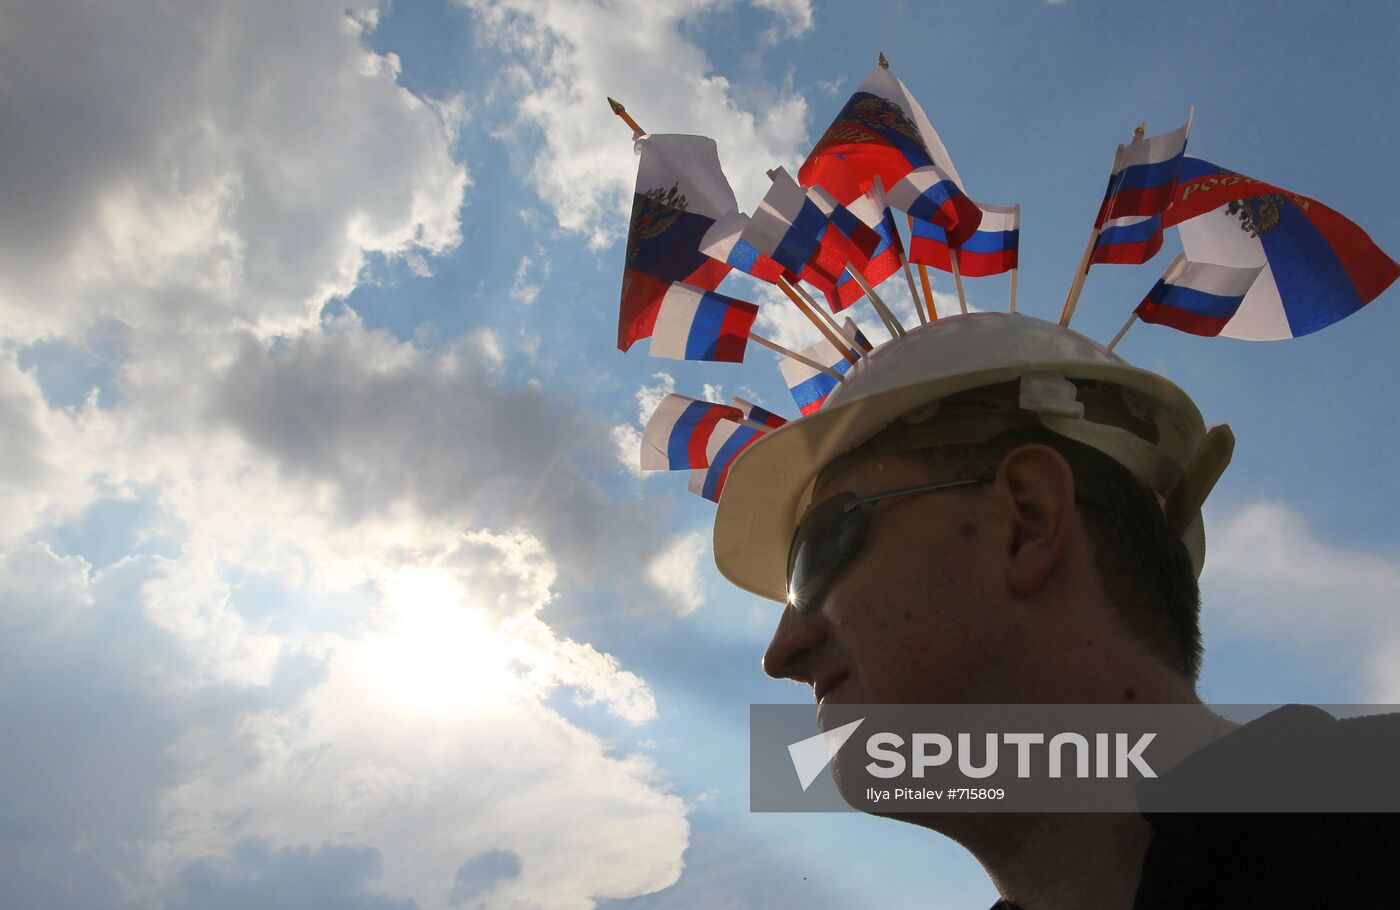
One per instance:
(1145, 568)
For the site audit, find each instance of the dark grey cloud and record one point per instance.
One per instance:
(332, 877)
(483, 872)
(385, 424)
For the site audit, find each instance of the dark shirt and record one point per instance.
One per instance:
(1271, 859)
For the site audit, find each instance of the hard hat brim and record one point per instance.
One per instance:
(770, 484)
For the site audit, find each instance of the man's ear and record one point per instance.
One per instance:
(1035, 492)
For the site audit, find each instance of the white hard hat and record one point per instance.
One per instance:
(1154, 430)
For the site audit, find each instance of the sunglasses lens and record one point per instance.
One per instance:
(828, 538)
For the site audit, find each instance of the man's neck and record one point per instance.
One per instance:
(1067, 861)
(1060, 862)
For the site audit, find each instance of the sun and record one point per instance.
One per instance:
(436, 652)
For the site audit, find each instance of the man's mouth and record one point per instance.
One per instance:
(824, 687)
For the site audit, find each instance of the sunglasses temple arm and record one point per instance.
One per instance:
(910, 491)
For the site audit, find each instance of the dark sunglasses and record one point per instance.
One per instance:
(832, 534)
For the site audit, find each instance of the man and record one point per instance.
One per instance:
(996, 510)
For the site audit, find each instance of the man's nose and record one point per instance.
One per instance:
(797, 636)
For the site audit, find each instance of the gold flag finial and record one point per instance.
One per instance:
(1139, 131)
(619, 110)
(884, 64)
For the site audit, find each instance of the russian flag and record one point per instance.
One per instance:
(1144, 176)
(810, 387)
(756, 414)
(881, 132)
(681, 191)
(869, 225)
(1131, 240)
(678, 432)
(789, 227)
(695, 324)
(726, 443)
(931, 195)
(1318, 266)
(1197, 297)
(724, 241)
(991, 250)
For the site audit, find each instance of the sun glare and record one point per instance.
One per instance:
(438, 653)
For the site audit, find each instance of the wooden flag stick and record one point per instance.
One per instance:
(753, 423)
(928, 293)
(1014, 268)
(896, 330)
(1077, 286)
(619, 110)
(957, 279)
(1124, 330)
(923, 279)
(837, 327)
(793, 355)
(826, 331)
(913, 292)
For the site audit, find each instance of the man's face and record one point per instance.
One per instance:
(920, 615)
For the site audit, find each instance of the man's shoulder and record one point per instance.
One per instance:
(1297, 757)
(1282, 859)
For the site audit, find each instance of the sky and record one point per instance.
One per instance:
(327, 578)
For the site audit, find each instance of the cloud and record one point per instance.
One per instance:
(1271, 576)
(220, 182)
(796, 15)
(208, 203)
(428, 742)
(482, 873)
(675, 571)
(332, 877)
(75, 650)
(50, 455)
(525, 289)
(574, 53)
(627, 438)
(421, 741)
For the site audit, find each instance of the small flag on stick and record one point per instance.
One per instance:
(725, 242)
(756, 414)
(810, 387)
(678, 432)
(728, 441)
(789, 227)
(1128, 227)
(695, 324)
(1197, 297)
(991, 250)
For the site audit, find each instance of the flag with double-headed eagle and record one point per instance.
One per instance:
(1316, 266)
(681, 192)
(881, 132)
